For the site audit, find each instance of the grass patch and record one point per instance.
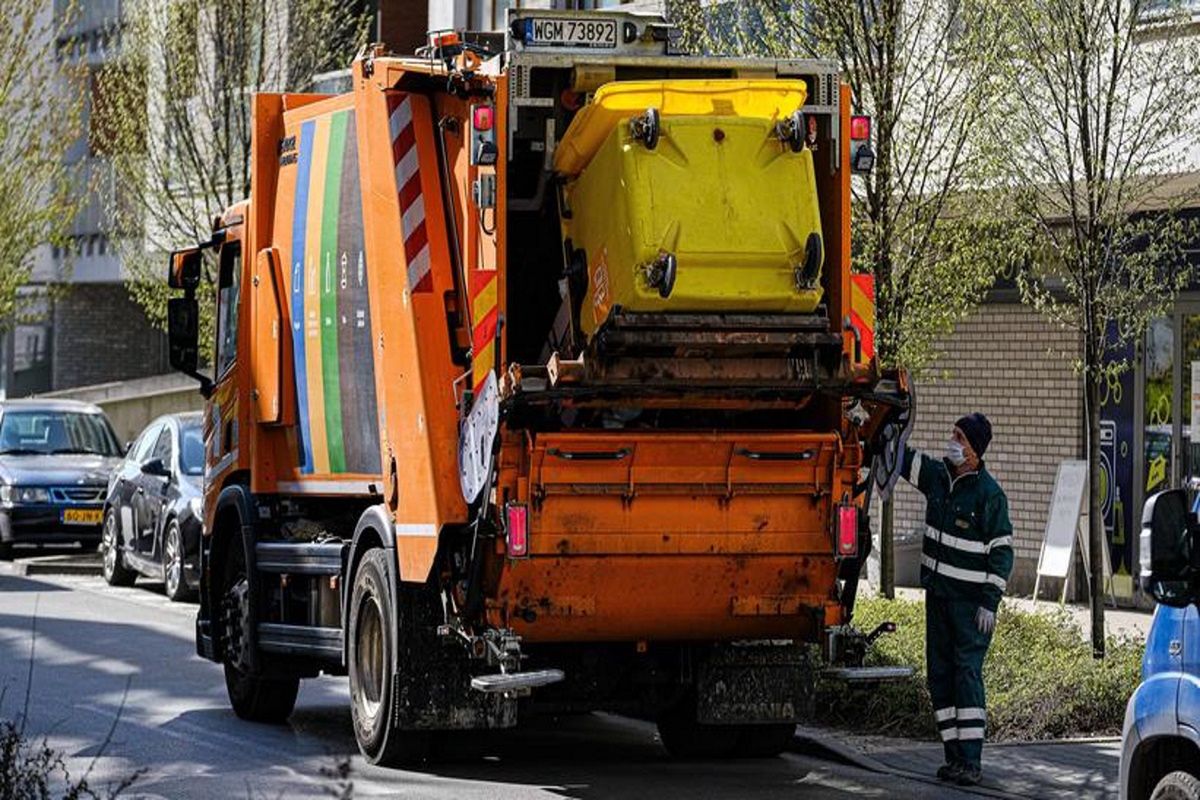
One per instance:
(1040, 678)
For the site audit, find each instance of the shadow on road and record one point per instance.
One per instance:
(176, 722)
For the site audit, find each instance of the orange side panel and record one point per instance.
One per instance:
(414, 377)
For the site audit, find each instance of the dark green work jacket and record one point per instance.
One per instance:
(967, 552)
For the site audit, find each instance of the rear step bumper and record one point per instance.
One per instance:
(501, 683)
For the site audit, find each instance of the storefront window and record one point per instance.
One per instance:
(1159, 371)
(1189, 412)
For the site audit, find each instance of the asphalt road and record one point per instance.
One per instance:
(122, 660)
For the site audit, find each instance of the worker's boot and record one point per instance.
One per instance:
(969, 775)
(949, 772)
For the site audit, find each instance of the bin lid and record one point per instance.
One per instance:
(615, 103)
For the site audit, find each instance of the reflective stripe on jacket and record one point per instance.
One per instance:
(967, 549)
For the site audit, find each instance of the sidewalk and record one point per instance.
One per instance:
(1117, 622)
(1085, 769)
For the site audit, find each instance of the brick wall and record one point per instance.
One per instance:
(100, 334)
(1011, 364)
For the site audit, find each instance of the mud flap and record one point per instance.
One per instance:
(755, 683)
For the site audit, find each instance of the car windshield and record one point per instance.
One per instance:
(45, 432)
(191, 450)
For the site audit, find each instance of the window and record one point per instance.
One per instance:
(140, 450)
(44, 431)
(191, 450)
(228, 287)
(162, 447)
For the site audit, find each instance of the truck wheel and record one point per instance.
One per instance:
(375, 632)
(765, 741)
(684, 737)
(253, 697)
(112, 559)
(1177, 786)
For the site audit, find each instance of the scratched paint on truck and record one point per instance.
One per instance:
(337, 429)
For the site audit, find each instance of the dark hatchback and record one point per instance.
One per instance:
(55, 460)
(152, 513)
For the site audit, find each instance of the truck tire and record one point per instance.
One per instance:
(765, 741)
(253, 697)
(1178, 785)
(376, 630)
(685, 738)
(112, 560)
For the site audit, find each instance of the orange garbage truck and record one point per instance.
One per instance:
(539, 384)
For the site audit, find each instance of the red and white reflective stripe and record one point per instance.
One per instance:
(408, 185)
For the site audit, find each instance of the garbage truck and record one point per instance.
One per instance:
(538, 385)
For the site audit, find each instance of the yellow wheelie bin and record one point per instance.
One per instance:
(692, 196)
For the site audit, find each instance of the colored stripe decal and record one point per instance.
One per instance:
(360, 423)
(299, 221)
(312, 299)
(330, 278)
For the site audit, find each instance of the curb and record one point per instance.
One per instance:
(51, 566)
(833, 750)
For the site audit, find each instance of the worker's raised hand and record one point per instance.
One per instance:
(985, 620)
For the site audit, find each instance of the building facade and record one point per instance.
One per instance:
(84, 327)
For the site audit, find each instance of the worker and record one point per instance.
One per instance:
(966, 558)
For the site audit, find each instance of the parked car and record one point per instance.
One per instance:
(55, 459)
(152, 513)
(1160, 753)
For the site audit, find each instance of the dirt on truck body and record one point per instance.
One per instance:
(536, 388)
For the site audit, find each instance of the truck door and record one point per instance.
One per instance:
(221, 427)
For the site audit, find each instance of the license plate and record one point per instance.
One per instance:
(591, 33)
(82, 516)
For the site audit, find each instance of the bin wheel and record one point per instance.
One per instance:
(646, 128)
(662, 274)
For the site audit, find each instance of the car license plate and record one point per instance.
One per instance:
(82, 516)
(592, 33)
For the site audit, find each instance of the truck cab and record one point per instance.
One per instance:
(1160, 753)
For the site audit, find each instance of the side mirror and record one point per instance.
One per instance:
(184, 271)
(183, 339)
(1170, 562)
(157, 468)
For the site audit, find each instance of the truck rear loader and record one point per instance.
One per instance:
(536, 389)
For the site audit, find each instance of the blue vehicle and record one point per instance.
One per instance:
(1160, 753)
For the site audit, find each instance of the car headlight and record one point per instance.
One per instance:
(196, 506)
(10, 495)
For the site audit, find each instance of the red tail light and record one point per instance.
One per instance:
(516, 529)
(860, 128)
(481, 118)
(847, 531)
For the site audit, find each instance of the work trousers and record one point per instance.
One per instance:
(954, 651)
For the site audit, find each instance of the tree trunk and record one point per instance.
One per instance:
(887, 558)
(1096, 539)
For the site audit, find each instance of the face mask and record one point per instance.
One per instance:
(955, 453)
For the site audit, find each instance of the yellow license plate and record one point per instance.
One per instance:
(82, 516)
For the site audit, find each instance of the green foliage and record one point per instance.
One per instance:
(176, 117)
(31, 771)
(39, 198)
(1098, 133)
(1041, 678)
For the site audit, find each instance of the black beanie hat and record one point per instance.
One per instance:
(978, 431)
